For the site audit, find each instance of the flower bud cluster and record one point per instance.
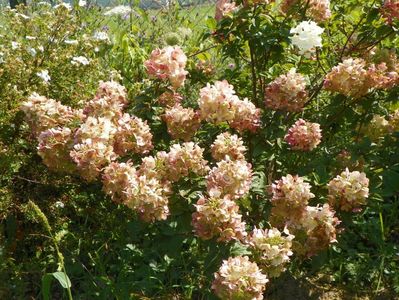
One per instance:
(230, 145)
(218, 103)
(271, 249)
(287, 92)
(239, 278)
(230, 178)
(349, 190)
(218, 217)
(168, 63)
(303, 135)
(182, 122)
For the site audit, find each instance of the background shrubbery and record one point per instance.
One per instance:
(49, 220)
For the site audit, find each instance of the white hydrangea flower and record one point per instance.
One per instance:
(307, 36)
(44, 75)
(80, 60)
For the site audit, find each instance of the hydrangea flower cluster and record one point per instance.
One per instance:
(377, 128)
(54, 146)
(271, 249)
(223, 8)
(353, 78)
(218, 103)
(239, 278)
(320, 227)
(180, 161)
(287, 92)
(349, 190)
(147, 196)
(218, 217)
(394, 121)
(303, 135)
(94, 137)
(182, 122)
(307, 37)
(230, 178)
(230, 145)
(290, 196)
(168, 63)
(169, 98)
(42, 113)
(390, 10)
(132, 135)
(318, 10)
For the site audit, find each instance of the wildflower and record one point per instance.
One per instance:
(101, 36)
(238, 278)
(63, 5)
(303, 135)
(230, 178)
(71, 42)
(32, 51)
(44, 75)
(306, 37)
(218, 217)
(15, 45)
(80, 60)
(121, 10)
(182, 122)
(287, 92)
(82, 3)
(349, 190)
(230, 145)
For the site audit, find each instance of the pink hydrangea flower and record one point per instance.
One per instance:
(287, 92)
(168, 63)
(239, 278)
(132, 135)
(223, 8)
(169, 98)
(182, 122)
(246, 116)
(303, 135)
(390, 10)
(218, 217)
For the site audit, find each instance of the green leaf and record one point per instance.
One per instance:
(62, 279)
(46, 284)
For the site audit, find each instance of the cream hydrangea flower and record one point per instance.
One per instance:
(230, 145)
(306, 37)
(271, 249)
(349, 190)
(182, 122)
(239, 278)
(218, 217)
(230, 178)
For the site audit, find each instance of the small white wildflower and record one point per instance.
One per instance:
(80, 60)
(59, 204)
(32, 51)
(121, 10)
(71, 42)
(25, 17)
(63, 4)
(44, 75)
(307, 36)
(40, 48)
(30, 38)
(82, 3)
(14, 45)
(101, 36)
